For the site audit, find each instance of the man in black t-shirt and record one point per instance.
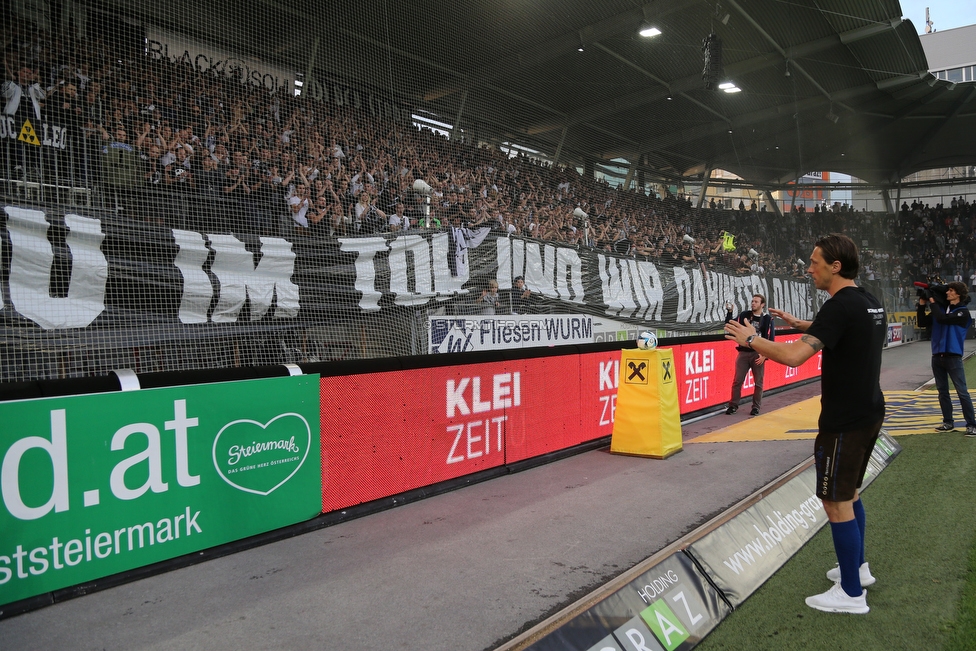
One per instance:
(850, 329)
(748, 359)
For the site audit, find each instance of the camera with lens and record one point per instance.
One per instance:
(932, 289)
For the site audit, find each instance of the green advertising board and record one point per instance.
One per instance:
(100, 484)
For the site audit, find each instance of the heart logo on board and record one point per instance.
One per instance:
(260, 458)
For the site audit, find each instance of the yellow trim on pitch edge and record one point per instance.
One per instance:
(906, 412)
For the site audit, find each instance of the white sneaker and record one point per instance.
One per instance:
(836, 600)
(864, 571)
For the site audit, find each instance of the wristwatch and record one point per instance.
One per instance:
(749, 340)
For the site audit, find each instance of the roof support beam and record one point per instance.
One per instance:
(706, 177)
(630, 174)
(311, 65)
(771, 202)
(769, 39)
(559, 147)
(456, 128)
(663, 83)
(886, 198)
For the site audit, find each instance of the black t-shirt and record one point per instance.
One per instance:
(853, 328)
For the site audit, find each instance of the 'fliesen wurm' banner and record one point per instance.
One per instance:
(463, 334)
(99, 484)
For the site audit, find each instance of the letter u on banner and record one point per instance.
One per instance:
(30, 270)
(647, 422)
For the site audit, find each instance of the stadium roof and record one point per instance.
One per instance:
(839, 85)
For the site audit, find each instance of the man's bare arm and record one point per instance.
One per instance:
(791, 353)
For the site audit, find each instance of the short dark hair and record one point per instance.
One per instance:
(760, 297)
(960, 288)
(840, 248)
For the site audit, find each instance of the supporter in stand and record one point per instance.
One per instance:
(399, 221)
(120, 164)
(489, 302)
(208, 179)
(67, 109)
(369, 218)
(519, 296)
(299, 204)
(22, 93)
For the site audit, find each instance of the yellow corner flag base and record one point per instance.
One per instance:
(647, 420)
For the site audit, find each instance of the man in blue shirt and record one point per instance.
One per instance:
(949, 326)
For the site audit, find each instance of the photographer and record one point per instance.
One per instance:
(748, 358)
(949, 325)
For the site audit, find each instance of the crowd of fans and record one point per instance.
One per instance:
(154, 127)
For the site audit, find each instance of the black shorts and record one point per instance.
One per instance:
(841, 460)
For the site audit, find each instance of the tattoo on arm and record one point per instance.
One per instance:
(813, 342)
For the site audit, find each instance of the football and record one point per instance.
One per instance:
(647, 341)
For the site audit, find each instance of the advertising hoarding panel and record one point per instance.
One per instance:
(100, 484)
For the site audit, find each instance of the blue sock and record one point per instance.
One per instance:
(847, 545)
(859, 516)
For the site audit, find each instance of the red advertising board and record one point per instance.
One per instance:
(388, 433)
(705, 372)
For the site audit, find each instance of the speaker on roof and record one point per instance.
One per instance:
(712, 72)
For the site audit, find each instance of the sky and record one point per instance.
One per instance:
(945, 14)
